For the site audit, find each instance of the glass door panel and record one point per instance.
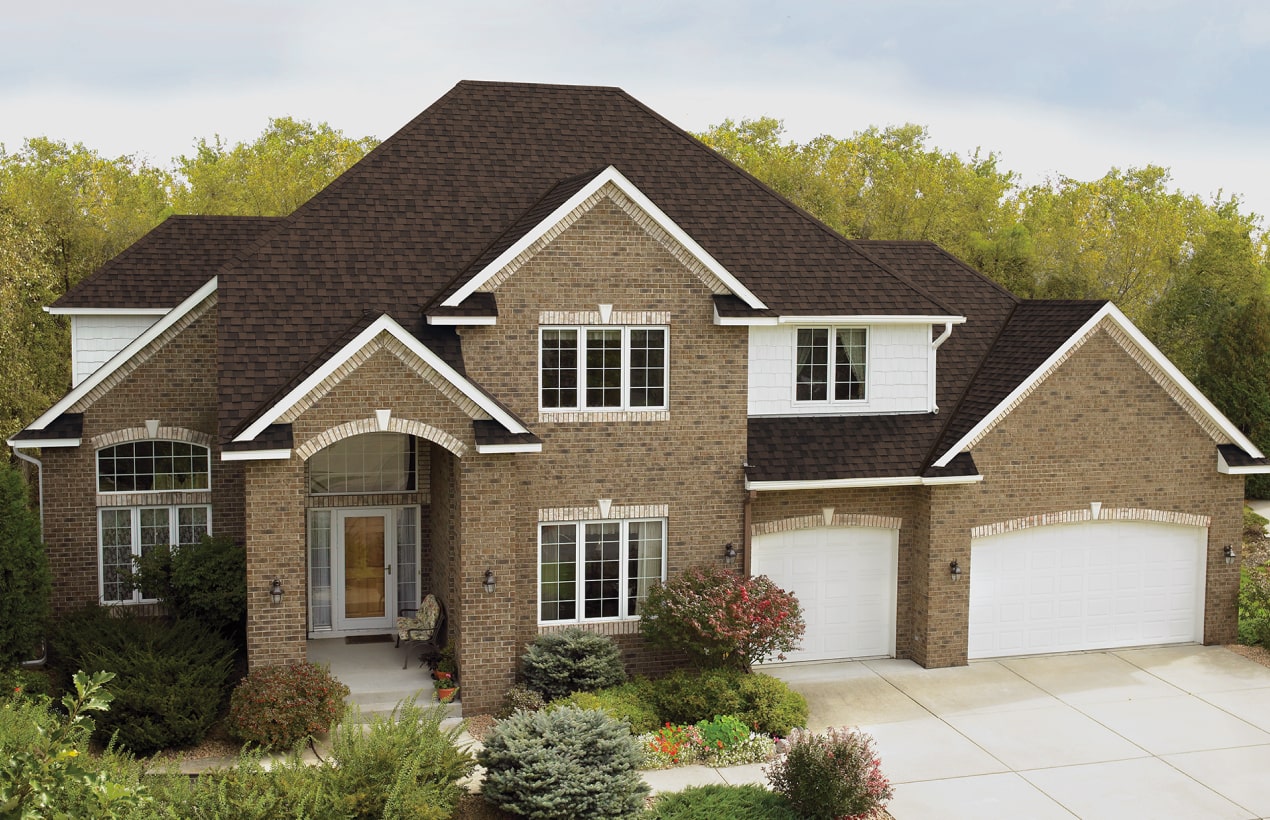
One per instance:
(364, 587)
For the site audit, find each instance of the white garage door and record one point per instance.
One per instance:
(1091, 585)
(844, 578)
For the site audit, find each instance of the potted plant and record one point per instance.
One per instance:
(446, 688)
(446, 666)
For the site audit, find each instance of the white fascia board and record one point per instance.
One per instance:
(743, 321)
(255, 455)
(608, 175)
(115, 362)
(32, 443)
(463, 320)
(846, 483)
(528, 447)
(1255, 469)
(871, 320)
(80, 311)
(1107, 311)
(384, 323)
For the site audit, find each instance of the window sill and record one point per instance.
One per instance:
(626, 627)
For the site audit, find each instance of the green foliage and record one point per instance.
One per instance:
(571, 660)
(25, 582)
(45, 768)
(286, 165)
(249, 790)
(566, 763)
(720, 619)
(205, 582)
(729, 743)
(519, 697)
(718, 801)
(17, 680)
(170, 676)
(1254, 606)
(629, 702)
(830, 776)
(1254, 528)
(762, 702)
(281, 706)
(722, 731)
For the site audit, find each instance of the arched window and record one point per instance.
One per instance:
(153, 466)
(369, 463)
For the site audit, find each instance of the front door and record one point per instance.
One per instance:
(364, 589)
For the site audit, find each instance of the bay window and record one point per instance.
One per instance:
(598, 570)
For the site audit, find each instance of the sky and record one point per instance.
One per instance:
(1053, 88)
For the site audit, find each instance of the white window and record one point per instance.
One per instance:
(831, 364)
(598, 570)
(153, 466)
(603, 368)
(125, 533)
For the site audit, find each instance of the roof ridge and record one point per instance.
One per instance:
(530, 84)
(797, 209)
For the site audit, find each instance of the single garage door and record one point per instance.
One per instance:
(844, 578)
(1090, 585)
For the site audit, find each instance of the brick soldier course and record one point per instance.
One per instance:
(410, 298)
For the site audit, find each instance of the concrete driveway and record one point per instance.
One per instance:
(1178, 731)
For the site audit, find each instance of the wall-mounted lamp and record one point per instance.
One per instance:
(488, 583)
(1229, 554)
(954, 569)
(275, 591)
(729, 553)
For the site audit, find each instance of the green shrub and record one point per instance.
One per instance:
(763, 703)
(33, 682)
(829, 776)
(720, 619)
(572, 660)
(205, 582)
(566, 763)
(517, 698)
(25, 582)
(279, 707)
(717, 801)
(723, 732)
(287, 788)
(170, 677)
(1254, 606)
(629, 702)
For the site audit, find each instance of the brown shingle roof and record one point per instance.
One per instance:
(399, 228)
(169, 263)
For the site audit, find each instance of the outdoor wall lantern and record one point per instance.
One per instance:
(954, 569)
(275, 591)
(1229, 553)
(729, 553)
(489, 582)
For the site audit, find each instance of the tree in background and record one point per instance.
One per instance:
(25, 583)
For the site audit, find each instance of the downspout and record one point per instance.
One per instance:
(745, 537)
(930, 376)
(39, 471)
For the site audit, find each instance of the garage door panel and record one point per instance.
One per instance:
(1085, 586)
(845, 581)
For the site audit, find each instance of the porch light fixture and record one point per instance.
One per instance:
(275, 591)
(488, 583)
(954, 569)
(1229, 554)
(729, 553)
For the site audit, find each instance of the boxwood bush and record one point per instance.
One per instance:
(762, 702)
(630, 702)
(564, 763)
(714, 802)
(572, 660)
(170, 676)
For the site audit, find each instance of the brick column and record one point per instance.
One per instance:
(275, 534)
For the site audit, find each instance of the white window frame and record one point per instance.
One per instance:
(580, 567)
(581, 350)
(207, 457)
(830, 387)
(174, 523)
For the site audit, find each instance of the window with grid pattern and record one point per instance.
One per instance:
(603, 368)
(153, 466)
(127, 533)
(822, 351)
(608, 578)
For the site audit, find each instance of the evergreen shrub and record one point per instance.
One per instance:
(205, 582)
(25, 582)
(564, 763)
(629, 702)
(763, 703)
(715, 802)
(572, 660)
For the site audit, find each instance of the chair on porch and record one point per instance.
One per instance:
(420, 629)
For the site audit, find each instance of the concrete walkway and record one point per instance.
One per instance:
(1168, 732)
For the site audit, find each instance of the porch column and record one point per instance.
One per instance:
(275, 537)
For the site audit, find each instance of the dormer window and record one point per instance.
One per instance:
(831, 364)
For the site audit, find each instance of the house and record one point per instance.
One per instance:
(542, 349)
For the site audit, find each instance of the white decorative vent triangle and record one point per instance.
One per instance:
(605, 505)
(381, 419)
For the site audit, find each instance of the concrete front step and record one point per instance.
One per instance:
(382, 703)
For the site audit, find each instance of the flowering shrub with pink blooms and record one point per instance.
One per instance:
(834, 776)
(721, 619)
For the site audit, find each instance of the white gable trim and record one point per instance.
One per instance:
(384, 324)
(255, 455)
(1153, 355)
(82, 311)
(888, 319)
(609, 175)
(119, 359)
(527, 447)
(33, 443)
(463, 321)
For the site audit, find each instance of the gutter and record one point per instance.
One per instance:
(930, 370)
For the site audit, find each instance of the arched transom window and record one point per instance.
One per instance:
(153, 466)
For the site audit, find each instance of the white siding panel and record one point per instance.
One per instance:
(898, 373)
(96, 339)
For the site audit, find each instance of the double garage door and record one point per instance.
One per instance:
(1089, 585)
(844, 578)
(1058, 588)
